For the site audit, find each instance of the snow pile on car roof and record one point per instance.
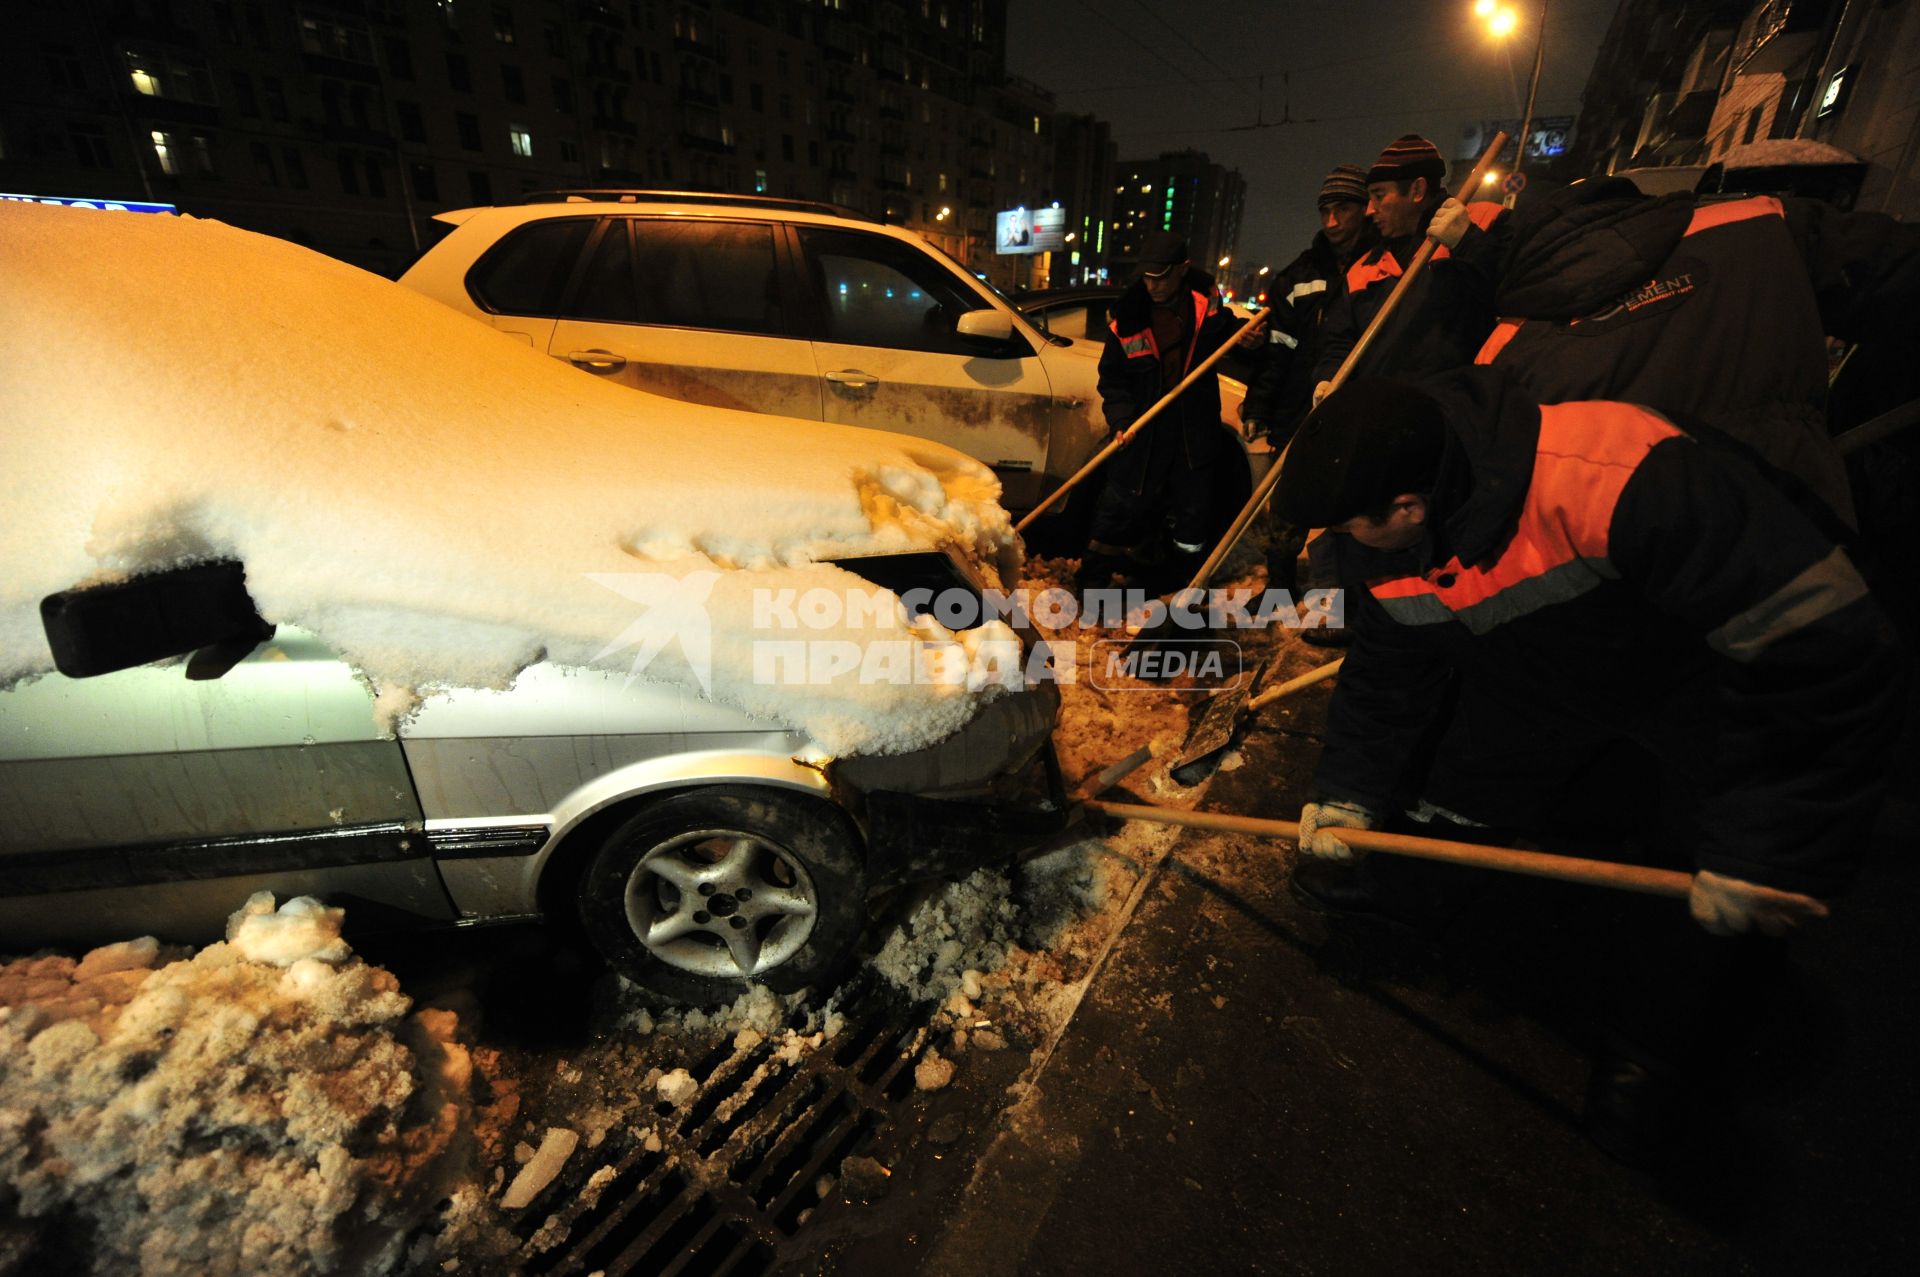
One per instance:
(441, 503)
(201, 1112)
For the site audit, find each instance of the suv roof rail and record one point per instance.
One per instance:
(626, 195)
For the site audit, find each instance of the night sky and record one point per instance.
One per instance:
(1174, 74)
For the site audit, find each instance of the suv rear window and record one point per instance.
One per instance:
(526, 272)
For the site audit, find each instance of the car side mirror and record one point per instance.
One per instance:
(986, 324)
(103, 628)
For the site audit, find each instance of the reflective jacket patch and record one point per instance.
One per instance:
(1587, 454)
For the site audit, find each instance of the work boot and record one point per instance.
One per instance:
(1283, 571)
(1634, 1109)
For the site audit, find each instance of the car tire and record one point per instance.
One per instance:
(701, 894)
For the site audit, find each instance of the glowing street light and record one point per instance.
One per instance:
(1222, 263)
(1501, 22)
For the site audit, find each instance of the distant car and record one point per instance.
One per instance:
(1079, 313)
(191, 752)
(789, 307)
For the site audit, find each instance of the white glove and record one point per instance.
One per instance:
(1732, 906)
(1316, 818)
(1450, 222)
(1320, 391)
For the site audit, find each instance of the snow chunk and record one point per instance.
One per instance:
(126, 955)
(677, 1087)
(302, 929)
(932, 1072)
(554, 1151)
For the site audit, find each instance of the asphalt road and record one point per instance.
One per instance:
(1249, 1088)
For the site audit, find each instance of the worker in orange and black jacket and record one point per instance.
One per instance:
(1448, 312)
(1714, 312)
(1169, 475)
(1537, 589)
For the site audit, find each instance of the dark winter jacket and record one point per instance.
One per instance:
(1299, 298)
(1445, 316)
(1713, 313)
(1132, 373)
(1593, 562)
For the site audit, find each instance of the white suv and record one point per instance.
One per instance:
(787, 307)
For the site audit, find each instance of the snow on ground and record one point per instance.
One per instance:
(443, 505)
(220, 1112)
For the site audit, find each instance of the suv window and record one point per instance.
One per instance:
(526, 272)
(877, 291)
(680, 274)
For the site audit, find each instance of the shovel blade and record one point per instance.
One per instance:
(1211, 734)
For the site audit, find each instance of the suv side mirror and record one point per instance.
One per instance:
(104, 628)
(986, 324)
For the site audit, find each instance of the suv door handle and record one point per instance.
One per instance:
(597, 360)
(853, 377)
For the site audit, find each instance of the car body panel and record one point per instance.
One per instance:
(1035, 417)
(285, 740)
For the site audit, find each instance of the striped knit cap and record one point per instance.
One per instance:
(1407, 157)
(1348, 182)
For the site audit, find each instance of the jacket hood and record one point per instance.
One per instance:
(1134, 310)
(1493, 431)
(1579, 248)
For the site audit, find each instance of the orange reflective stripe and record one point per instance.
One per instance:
(1366, 272)
(1485, 212)
(1497, 340)
(1202, 307)
(1708, 216)
(1588, 451)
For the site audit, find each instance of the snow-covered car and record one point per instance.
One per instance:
(788, 307)
(311, 586)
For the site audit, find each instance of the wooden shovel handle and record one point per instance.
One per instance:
(1295, 683)
(1119, 441)
(1537, 864)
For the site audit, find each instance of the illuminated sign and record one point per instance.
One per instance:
(77, 201)
(1836, 95)
(1030, 230)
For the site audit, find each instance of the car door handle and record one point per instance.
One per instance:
(597, 360)
(853, 377)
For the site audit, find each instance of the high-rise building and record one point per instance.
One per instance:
(346, 124)
(1181, 191)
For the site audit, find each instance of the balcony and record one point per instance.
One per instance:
(341, 68)
(170, 110)
(698, 97)
(699, 46)
(702, 142)
(353, 135)
(840, 174)
(614, 124)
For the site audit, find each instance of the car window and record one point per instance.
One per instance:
(881, 292)
(607, 290)
(526, 272)
(702, 274)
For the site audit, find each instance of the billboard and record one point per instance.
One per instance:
(1551, 133)
(1030, 230)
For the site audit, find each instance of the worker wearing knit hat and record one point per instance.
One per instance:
(1347, 184)
(1407, 157)
(1369, 443)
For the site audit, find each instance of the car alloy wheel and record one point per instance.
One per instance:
(721, 902)
(708, 890)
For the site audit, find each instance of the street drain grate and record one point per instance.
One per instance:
(736, 1171)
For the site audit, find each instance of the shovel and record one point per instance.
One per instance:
(1226, 713)
(1125, 437)
(1535, 864)
(1272, 478)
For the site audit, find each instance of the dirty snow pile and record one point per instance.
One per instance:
(266, 1105)
(443, 505)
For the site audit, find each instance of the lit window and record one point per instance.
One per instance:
(1146, 188)
(163, 151)
(522, 141)
(144, 81)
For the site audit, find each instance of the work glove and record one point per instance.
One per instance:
(1317, 818)
(1251, 428)
(1321, 391)
(1732, 906)
(1256, 336)
(1449, 224)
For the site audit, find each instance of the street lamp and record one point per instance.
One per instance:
(1501, 21)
